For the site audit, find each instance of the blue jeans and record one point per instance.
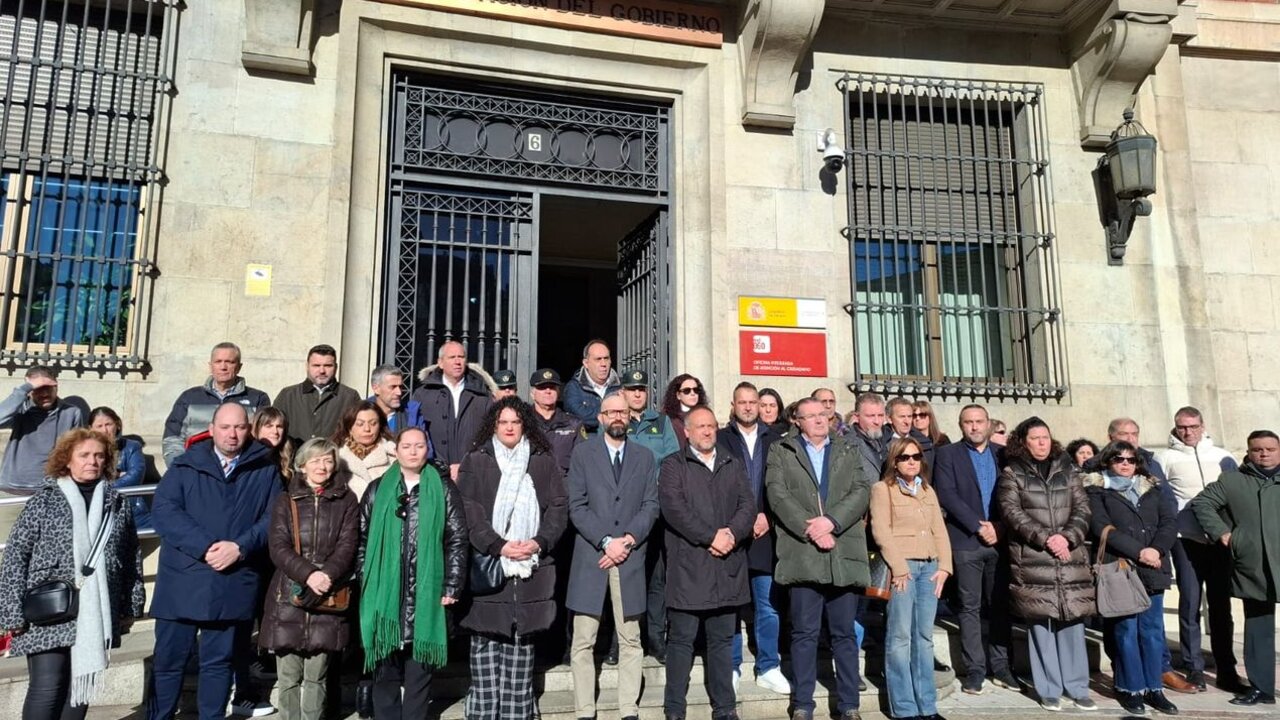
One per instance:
(766, 630)
(908, 652)
(1137, 642)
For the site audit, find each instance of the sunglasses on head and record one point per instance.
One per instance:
(917, 457)
(1125, 459)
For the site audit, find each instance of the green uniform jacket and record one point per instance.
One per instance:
(792, 488)
(1237, 504)
(650, 430)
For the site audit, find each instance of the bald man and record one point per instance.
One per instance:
(211, 512)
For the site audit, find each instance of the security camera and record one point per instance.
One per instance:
(832, 153)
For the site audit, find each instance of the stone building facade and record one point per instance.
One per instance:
(282, 180)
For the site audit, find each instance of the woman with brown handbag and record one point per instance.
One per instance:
(313, 539)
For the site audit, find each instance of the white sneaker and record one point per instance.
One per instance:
(249, 708)
(737, 680)
(774, 680)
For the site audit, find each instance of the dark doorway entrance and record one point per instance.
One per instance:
(578, 280)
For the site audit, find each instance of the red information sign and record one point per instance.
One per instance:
(770, 352)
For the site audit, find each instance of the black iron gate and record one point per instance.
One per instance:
(644, 281)
(465, 165)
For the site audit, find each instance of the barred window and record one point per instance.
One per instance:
(955, 288)
(84, 87)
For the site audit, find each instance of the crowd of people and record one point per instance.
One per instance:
(400, 531)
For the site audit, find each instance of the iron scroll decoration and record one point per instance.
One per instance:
(500, 134)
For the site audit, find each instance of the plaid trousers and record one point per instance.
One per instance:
(501, 680)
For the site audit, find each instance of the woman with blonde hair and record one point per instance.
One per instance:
(906, 520)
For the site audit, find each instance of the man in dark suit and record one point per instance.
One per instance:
(613, 503)
(748, 440)
(965, 478)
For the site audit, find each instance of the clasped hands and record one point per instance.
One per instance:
(519, 549)
(222, 555)
(821, 532)
(1059, 547)
(617, 551)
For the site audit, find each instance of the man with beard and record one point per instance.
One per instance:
(316, 405)
(613, 503)
(709, 510)
(748, 440)
(965, 480)
(867, 433)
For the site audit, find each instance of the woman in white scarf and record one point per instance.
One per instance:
(55, 538)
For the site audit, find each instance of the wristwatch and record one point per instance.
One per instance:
(605, 542)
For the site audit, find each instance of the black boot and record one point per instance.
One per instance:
(364, 699)
(1160, 703)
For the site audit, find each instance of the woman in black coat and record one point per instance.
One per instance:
(1124, 496)
(517, 508)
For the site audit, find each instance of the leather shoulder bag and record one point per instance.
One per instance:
(334, 602)
(57, 601)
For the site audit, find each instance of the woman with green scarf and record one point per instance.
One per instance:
(413, 560)
(517, 508)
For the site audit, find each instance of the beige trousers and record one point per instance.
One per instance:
(630, 657)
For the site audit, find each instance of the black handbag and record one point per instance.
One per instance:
(53, 602)
(486, 577)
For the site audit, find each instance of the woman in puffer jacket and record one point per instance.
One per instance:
(1046, 511)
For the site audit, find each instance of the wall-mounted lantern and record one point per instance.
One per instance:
(1124, 177)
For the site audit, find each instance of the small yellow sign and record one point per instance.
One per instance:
(257, 280)
(781, 312)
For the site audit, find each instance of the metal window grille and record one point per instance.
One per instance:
(955, 287)
(85, 87)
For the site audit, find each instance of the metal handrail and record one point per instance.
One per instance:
(126, 491)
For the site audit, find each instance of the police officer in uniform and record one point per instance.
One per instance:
(505, 381)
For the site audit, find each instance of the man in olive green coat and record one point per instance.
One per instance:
(819, 495)
(1233, 510)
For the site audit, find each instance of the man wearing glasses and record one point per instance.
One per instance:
(613, 503)
(827, 397)
(1192, 463)
(819, 495)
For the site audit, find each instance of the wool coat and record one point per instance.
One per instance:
(527, 605)
(696, 502)
(196, 506)
(1035, 508)
(600, 507)
(313, 414)
(760, 558)
(40, 549)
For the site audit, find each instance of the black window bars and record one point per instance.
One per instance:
(85, 88)
(955, 289)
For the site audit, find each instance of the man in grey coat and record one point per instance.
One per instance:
(613, 503)
(35, 416)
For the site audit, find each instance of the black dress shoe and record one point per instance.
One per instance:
(1160, 703)
(1196, 677)
(1253, 697)
(1131, 703)
(612, 657)
(1231, 683)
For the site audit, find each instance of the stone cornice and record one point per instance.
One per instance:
(1112, 60)
(775, 37)
(277, 36)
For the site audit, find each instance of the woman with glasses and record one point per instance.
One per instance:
(413, 563)
(1124, 496)
(906, 520)
(999, 432)
(1046, 513)
(684, 393)
(923, 420)
(517, 508)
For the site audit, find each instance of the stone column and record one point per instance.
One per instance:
(277, 36)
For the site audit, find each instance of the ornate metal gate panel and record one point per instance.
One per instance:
(644, 291)
(462, 267)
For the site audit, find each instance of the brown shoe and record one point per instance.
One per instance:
(1177, 683)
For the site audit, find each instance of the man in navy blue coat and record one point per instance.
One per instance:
(211, 511)
(965, 478)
